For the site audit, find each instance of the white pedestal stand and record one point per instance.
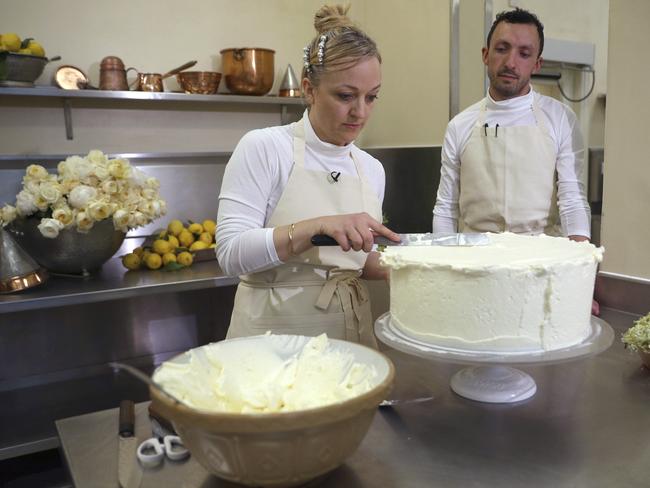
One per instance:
(493, 380)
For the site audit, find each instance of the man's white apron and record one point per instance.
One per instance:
(320, 290)
(508, 179)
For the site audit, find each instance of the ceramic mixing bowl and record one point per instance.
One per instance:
(279, 449)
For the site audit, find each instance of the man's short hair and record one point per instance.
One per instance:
(519, 16)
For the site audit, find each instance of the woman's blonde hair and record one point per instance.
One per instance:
(339, 44)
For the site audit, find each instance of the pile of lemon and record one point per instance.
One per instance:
(13, 43)
(174, 247)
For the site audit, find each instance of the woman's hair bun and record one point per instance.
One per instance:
(331, 17)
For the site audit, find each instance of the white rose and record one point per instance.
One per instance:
(36, 172)
(84, 222)
(50, 192)
(96, 157)
(119, 168)
(7, 214)
(41, 203)
(76, 168)
(149, 193)
(98, 210)
(50, 228)
(138, 177)
(121, 220)
(152, 183)
(109, 187)
(32, 186)
(63, 214)
(101, 172)
(137, 219)
(163, 207)
(25, 203)
(81, 195)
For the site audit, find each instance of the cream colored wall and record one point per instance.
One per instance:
(158, 35)
(626, 200)
(413, 38)
(152, 35)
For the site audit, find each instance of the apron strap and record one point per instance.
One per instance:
(355, 301)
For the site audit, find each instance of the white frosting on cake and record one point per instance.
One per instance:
(517, 293)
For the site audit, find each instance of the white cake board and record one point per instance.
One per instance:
(493, 381)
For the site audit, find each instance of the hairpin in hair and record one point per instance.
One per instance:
(305, 58)
(321, 48)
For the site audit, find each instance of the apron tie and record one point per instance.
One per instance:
(355, 302)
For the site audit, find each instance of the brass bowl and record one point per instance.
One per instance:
(199, 82)
(248, 70)
(71, 252)
(285, 448)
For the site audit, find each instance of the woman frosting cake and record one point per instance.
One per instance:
(516, 293)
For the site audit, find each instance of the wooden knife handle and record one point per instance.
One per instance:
(127, 418)
(323, 240)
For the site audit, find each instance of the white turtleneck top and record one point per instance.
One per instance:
(561, 122)
(254, 180)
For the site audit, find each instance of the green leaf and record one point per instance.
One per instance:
(173, 266)
(25, 42)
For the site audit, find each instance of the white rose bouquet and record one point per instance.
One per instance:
(86, 190)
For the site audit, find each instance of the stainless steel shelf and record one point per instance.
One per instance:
(66, 96)
(53, 92)
(114, 282)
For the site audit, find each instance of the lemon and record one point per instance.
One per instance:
(198, 246)
(153, 261)
(185, 238)
(209, 226)
(161, 246)
(175, 227)
(173, 241)
(195, 228)
(169, 257)
(131, 261)
(205, 237)
(11, 41)
(213, 245)
(25, 50)
(138, 251)
(36, 48)
(185, 258)
(162, 234)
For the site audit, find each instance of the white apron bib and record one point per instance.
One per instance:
(319, 290)
(508, 179)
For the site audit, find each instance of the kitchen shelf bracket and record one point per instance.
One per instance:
(67, 116)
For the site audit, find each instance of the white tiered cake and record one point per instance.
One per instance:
(517, 293)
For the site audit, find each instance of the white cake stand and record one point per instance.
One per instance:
(492, 380)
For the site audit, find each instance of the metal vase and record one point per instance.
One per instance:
(71, 252)
(18, 270)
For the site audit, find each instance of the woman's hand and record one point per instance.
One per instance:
(354, 231)
(351, 231)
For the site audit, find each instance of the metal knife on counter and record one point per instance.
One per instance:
(129, 473)
(426, 239)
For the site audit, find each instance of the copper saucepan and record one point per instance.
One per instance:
(248, 70)
(153, 82)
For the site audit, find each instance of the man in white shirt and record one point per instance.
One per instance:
(514, 160)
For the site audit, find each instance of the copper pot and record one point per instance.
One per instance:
(248, 70)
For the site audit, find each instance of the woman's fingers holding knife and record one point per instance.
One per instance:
(355, 231)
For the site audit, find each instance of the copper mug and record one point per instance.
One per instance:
(112, 75)
(147, 82)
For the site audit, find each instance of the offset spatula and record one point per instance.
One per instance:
(427, 239)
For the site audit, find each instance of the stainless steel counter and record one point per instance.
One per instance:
(113, 282)
(587, 426)
(56, 341)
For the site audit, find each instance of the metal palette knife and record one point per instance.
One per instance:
(426, 239)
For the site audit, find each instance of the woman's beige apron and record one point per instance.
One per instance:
(508, 179)
(320, 290)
